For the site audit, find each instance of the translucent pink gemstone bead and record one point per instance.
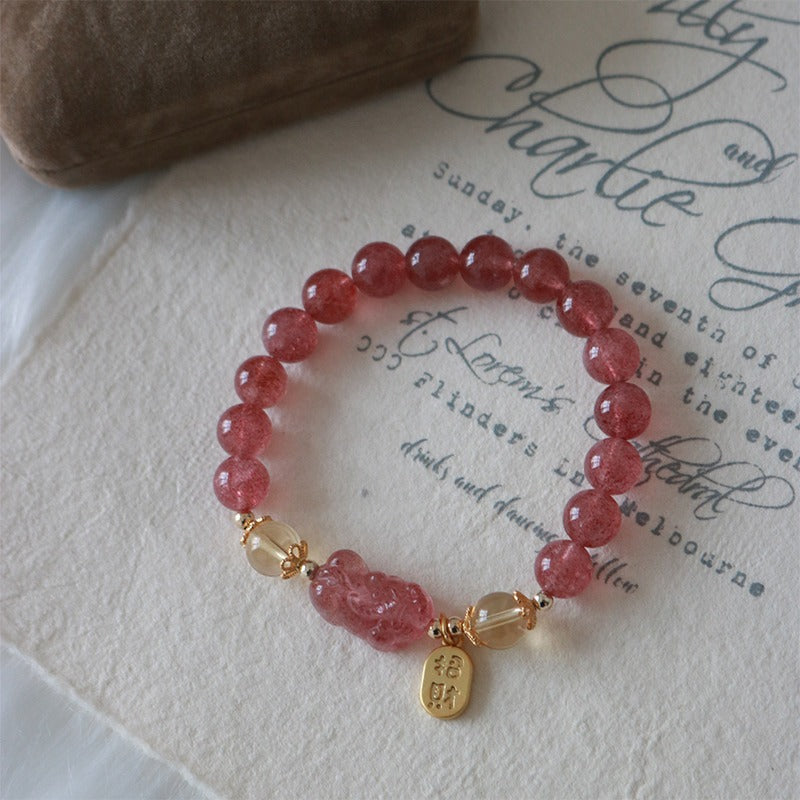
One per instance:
(386, 611)
(379, 269)
(329, 296)
(244, 430)
(563, 568)
(486, 263)
(584, 307)
(261, 380)
(592, 518)
(611, 355)
(622, 410)
(613, 465)
(541, 275)
(241, 483)
(290, 334)
(432, 263)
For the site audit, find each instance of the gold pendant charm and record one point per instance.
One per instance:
(446, 682)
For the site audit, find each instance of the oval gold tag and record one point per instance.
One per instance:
(446, 682)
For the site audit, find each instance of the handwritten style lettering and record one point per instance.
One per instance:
(665, 178)
(696, 467)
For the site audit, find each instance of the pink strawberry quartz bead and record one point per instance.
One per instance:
(622, 410)
(329, 296)
(244, 430)
(613, 465)
(432, 263)
(261, 380)
(486, 263)
(563, 568)
(592, 518)
(379, 269)
(541, 275)
(241, 483)
(584, 307)
(386, 611)
(611, 355)
(290, 334)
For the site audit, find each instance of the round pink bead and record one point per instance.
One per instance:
(622, 410)
(563, 568)
(379, 269)
(241, 483)
(261, 380)
(592, 518)
(486, 263)
(244, 430)
(611, 355)
(613, 465)
(290, 334)
(584, 307)
(541, 275)
(432, 263)
(329, 296)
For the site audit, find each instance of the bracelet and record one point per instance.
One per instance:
(387, 611)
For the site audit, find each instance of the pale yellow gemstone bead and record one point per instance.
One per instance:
(268, 544)
(499, 621)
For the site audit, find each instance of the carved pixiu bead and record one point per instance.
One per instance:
(384, 610)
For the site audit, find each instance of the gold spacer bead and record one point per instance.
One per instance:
(245, 519)
(296, 557)
(308, 568)
(543, 601)
(451, 629)
(528, 609)
(435, 629)
(468, 626)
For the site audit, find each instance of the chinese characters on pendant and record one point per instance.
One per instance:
(446, 682)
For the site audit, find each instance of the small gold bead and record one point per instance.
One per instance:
(244, 519)
(435, 630)
(543, 601)
(308, 568)
(454, 627)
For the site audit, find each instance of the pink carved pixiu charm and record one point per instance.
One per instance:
(386, 611)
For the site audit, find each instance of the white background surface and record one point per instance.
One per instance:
(147, 612)
(53, 745)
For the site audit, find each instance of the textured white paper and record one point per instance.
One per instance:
(669, 677)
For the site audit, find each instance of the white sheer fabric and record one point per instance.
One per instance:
(54, 746)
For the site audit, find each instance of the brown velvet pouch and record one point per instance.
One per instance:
(91, 91)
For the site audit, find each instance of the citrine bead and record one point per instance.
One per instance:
(267, 546)
(498, 620)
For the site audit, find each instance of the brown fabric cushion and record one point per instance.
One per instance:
(96, 90)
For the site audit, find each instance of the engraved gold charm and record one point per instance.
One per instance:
(447, 674)
(446, 682)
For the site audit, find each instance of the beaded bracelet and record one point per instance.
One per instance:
(387, 611)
